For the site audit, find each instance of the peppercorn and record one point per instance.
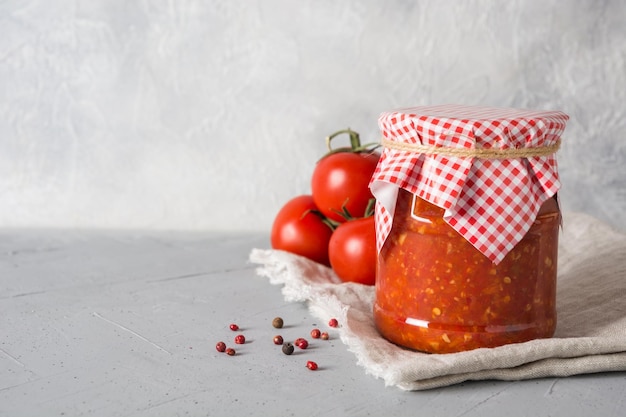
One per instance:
(230, 351)
(316, 333)
(311, 365)
(240, 339)
(234, 327)
(324, 336)
(301, 342)
(220, 346)
(288, 348)
(278, 340)
(277, 322)
(333, 322)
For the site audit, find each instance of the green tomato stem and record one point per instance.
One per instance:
(355, 140)
(355, 143)
(369, 210)
(345, 213)
(332, 224)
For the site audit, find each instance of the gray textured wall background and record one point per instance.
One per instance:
(211, 114)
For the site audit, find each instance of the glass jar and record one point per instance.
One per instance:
(435, 292)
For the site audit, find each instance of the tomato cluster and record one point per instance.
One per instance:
(334, 224)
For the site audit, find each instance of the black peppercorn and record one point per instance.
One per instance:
(288, 348)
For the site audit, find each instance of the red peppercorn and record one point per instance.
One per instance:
(220, 346)
(333, 322)
(302, 343)
(240, 339)
(316, 333)
(311, 365)
(234, 327)
(230, 351)
(278, 340)
(324, 336)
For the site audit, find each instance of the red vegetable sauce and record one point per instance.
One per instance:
(435, 292)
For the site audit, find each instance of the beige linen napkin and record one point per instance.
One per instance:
(591, 306)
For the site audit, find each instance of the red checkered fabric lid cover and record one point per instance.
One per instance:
(491, 202)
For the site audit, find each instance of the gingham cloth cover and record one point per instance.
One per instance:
(491, 202)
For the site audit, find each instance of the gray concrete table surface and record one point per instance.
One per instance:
(124, 323)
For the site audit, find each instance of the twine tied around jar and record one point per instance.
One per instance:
(481, 153)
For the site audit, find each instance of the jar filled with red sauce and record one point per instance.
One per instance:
(436, 291)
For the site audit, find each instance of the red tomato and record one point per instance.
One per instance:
(352, 251)
(341, 180)
(298, 229)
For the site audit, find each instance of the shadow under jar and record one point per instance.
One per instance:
(435, 292)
